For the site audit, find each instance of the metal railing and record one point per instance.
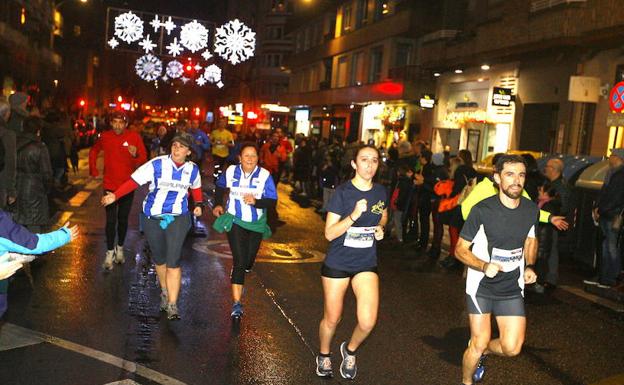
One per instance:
(540, 5)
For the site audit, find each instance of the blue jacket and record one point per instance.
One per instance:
(204, 142)
(16, 238)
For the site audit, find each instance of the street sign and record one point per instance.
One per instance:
(427, 101)
(502, 97)
(616, 97)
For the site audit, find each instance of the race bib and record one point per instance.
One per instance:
(239, 192)
(510, 260)
(359, 237)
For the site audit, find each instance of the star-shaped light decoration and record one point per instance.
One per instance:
(175, 48)
(201, 81)
(184, 79)
(165, 78)
(156, 24)
(198, 67)
(169, 25)
(206, 55)
(220, 84)
(147, 44)
(113, 43)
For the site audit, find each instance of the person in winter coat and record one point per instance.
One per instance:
(272, 154)
(303, 166)
(56, 134)
(34, 176)
(7, 158)
(438, 173)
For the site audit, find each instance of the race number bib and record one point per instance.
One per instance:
(239, 192)
(510, 260)
(360, 237)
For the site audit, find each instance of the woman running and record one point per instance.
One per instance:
(356, 215)
(166, 218)
(252, 192)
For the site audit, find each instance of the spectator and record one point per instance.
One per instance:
(303, 166)
(438, 173)
(329, 181)
(34, 177)
(8, 156)
(399, 203)
(534, 178)
(18, 101)
(201, 142)
(56, 135)
(271, 155)
(610, 206)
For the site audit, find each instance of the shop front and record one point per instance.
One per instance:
(384, 122)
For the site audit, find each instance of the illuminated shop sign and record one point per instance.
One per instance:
(427, 101)
(502, 97)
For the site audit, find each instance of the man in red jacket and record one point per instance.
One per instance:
(123, 153)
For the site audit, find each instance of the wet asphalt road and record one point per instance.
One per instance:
(100, 328)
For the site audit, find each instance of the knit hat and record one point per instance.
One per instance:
(437, 159)
(18, 99)
(619, 152)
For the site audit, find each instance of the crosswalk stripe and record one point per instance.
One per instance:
(94, 184)
(123, 382)
(61, 217)
(126, 365)
(80, 198)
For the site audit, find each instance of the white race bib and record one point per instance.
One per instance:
(510, 260)
(239, 192)
(360, 237)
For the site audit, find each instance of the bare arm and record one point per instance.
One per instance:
(530, 251)
(463, 253)
(334, 227)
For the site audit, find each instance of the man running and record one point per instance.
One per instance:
(123, 153)
(501, 231)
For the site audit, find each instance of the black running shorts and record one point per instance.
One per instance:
(498, 307)
(328, 272)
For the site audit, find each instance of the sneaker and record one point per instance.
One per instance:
(591, 281)
(237, 310)
(172, 312)
(477, 376)
(604, 286)
(108, 261)
(324, 367)
(348, 368)
(119, 255)
(164, 301)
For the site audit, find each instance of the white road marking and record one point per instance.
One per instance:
(12, 338)
(128, 366)
(94, 184)
(61, 217)
(593, 298)
(123, 382)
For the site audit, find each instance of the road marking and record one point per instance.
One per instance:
(594, 298)
(615, 380)
(94, 184)
(80, 198)
(268, 253)
(61, 217)
(123, 382)
(128, 366)
(11, 338)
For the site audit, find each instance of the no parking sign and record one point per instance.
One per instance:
(616, 98)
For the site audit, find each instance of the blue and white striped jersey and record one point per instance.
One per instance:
(259, 183)
(169, 185)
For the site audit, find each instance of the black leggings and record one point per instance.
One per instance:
(117, 219)
(244, 245)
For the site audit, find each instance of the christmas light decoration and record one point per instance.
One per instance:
(235, 42)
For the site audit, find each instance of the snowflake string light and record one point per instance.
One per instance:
(220, 84)
(147, 44)
(148, 67)
(113, 43)
(184, 79)
(165, 78)
(175, 69)
(194, 36)
(201, 81)
(128, 27)
(198, 67)
(156, 24)
(213, 73)
(235, 42)
(174, 48)
(206, 55)
(169, 25)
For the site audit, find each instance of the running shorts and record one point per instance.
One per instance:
(329, 272)
(498, 307)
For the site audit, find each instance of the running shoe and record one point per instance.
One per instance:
(172, 312)
(324, 367)
(119, 255)
(479, 373)
(237, 310)
(108, 261)
(348, 368)
(164, 301)
(594, 281)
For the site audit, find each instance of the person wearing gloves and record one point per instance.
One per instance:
(244, 218)
(18, 246)
(166, 213)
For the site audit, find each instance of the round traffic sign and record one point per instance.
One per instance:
(616, 97)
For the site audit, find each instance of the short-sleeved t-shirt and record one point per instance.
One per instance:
(220, 140)
(356, 249)
(498, 234)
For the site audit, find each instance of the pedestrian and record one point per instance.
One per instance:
(357, 214)
(608, 212)
(166, 214)
(302, 161)
(15, 238)
(272, 155)
(438, 173)
(244, 215)
(329, 181)
(399, 202)
(498, 245)
(201, 142)
(8, 156)
(123, 153)
(19, 112)
(56, 135)
(34, 177)
(75, 147)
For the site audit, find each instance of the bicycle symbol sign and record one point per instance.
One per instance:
(616, 98)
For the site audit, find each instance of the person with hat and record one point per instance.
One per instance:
(124, 151)
(18, 102)
(608, 213)
(166, 213)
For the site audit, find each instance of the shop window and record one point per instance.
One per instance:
(374, 70)
(341, 74)
(357, 69)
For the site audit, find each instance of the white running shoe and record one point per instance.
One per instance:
(108, 261)
(119, 254)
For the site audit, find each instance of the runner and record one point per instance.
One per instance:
(166, 213)
(496, 240)
(123, 153)
(356, 215)
(252, 192)
(221, 139)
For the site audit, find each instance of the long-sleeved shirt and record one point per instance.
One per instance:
(202, 142)
(118, 163)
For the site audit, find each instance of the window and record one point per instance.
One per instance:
(374, 69)
(362, 13)
(382, 8)
(346, 19)
(272, 60)
(342, 71)
(306, 39)
(357, 69)
(403, 53)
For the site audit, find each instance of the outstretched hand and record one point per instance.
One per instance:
(559, 222)
(74, 231)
